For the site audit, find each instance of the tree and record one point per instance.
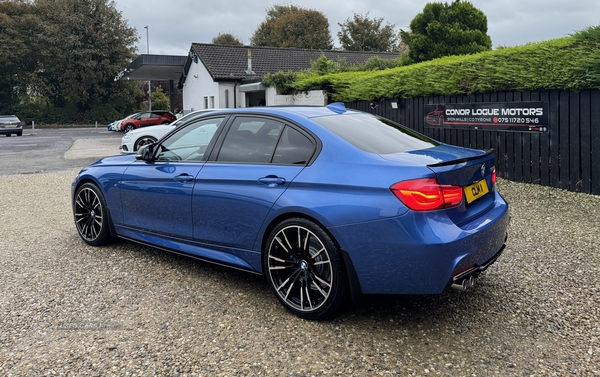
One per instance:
(86, 44)
(292, 26)
(19, 29)
(160, 99)
(363, 34)
(444, 29)
(227, 39)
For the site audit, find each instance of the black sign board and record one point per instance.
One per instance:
(509, 116)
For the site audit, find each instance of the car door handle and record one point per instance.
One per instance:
(272, 180)
(184, 178)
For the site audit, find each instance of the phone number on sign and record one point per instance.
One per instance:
(517, 120)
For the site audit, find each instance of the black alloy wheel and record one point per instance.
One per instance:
(91, 215)
(304, 269)
(129, 127)
(142, 141)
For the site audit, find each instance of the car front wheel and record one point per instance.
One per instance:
(91, 215)
(129, 127)
(304, 269)
(144, 140)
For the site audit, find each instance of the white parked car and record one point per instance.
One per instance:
(135, 139)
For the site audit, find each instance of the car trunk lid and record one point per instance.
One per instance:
(470, 169)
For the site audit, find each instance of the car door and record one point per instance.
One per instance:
(150, 120)
(239, 184)
(156, 195)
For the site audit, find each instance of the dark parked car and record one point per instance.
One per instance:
(148, 118)
(11, 124)
(327, 203)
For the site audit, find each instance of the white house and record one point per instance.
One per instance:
(217, 76)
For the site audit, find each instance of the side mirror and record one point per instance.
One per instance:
(145, 153)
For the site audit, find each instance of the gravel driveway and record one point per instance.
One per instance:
(72, 310)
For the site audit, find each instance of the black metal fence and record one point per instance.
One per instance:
(567, 156)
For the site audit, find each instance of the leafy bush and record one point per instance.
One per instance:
(101, 113)
(282, 81)
(569, 63)
(47, 114)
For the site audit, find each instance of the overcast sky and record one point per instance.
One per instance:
(174, 25)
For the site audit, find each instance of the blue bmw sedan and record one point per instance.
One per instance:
(327, 203)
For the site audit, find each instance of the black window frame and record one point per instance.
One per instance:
(317, 145)
(200, 118)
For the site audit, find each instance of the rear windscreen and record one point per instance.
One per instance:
(375, 134)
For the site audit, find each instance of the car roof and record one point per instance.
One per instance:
(299, 111)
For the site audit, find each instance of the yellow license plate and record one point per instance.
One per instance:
(476, 191)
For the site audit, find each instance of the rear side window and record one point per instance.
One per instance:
(293, 148)
(250, 140)
(9, 119)
(375, 134)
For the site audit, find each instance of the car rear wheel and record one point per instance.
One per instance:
(144, 140)
(91, 215)
(304, 269)
(129, 127)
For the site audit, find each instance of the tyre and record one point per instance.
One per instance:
(144, 140)
(129, 127)
(7, 135)
(304, 269)
(91, 215)
(20, 134)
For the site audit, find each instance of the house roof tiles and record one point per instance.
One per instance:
(231, 62)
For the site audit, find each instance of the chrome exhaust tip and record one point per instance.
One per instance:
(464, 284)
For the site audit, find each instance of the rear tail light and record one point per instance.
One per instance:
(427, 194)
(494, 176)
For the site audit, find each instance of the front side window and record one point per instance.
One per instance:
(189, 143)
(250, 140)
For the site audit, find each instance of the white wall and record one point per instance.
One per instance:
(198, 84)
(313, 98)
(229, 87)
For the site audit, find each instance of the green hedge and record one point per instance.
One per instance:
(569, 63)
(45, 114)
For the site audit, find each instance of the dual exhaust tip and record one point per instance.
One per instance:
(467, 279)
(464, 284)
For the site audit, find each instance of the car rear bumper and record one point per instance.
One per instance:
(388, 259)
(11, 130)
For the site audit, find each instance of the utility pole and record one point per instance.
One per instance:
(149, 82)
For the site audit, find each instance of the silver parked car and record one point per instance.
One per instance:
(11, 124)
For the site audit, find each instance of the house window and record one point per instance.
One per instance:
(212, 102)
(206, 102)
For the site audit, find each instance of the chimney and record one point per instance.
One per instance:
(250, 71)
